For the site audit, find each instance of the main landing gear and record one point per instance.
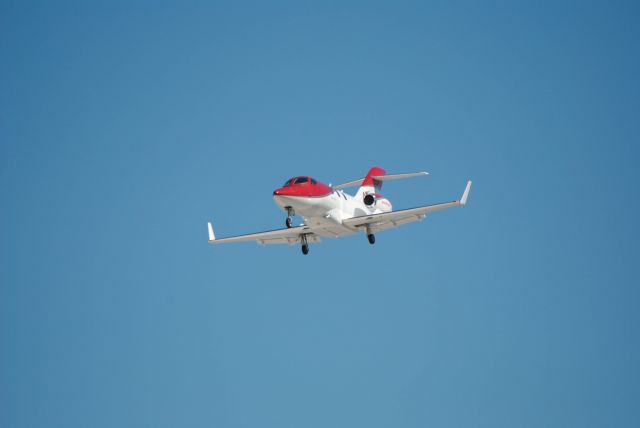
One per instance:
(305, 244)
(290, 214)
(370, 236)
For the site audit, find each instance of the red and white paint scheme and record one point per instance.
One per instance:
(330, 212)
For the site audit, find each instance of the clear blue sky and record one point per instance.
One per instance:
(125, 128)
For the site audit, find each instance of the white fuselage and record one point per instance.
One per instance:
(330, 210)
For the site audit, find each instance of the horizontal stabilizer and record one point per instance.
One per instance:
(349, 184)
(386, 177)
(390, 177)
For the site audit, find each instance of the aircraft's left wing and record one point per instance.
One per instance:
(280, 236)
(379, 222)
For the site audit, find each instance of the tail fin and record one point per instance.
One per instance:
(370, 184)
(374, 179)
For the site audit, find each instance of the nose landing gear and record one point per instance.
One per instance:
(290, 214)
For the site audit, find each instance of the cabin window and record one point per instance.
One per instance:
(314, 182)
(288, 182)
(301, 180)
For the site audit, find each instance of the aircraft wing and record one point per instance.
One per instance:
(379, 222)
(280, 236)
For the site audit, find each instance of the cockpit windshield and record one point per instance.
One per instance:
(298, 180)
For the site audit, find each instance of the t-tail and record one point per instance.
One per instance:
(372, 183)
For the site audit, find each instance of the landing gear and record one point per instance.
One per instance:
(290, 214)
(370, 236)
(305, 244)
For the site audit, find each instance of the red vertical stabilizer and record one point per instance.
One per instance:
(375, 171)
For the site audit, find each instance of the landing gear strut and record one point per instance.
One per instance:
(305, 245)
(370, 236)
(289, 219)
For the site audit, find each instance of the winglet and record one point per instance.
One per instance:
(465, 195)
(212, 236)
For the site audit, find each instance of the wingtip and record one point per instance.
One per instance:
(212, 236)
(465, 195)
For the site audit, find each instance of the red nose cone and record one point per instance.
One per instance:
(284, 191)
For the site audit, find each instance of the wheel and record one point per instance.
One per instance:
(288, 222)
(372, 238)
(305, 249)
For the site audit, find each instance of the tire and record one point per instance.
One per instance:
(288, 222)
(305, 249)
(372, 238)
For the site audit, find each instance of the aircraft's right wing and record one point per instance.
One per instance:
(280, 236)
(379, 222)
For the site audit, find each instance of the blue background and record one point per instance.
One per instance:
(125, 128)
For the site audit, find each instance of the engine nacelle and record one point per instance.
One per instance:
(369, 200)
(377, 202)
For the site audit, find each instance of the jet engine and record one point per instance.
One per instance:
(376, 202)
(369, 200)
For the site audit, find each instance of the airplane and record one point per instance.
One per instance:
(330, 212)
